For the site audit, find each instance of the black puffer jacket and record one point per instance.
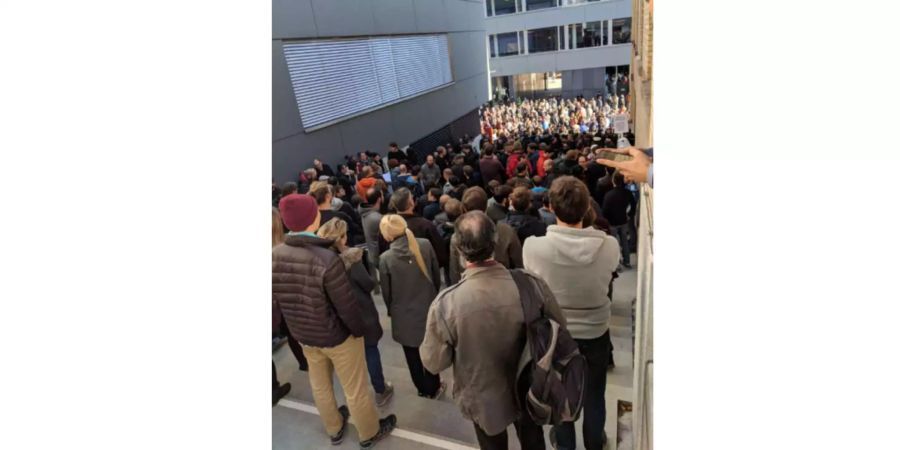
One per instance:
(311, 286)
(525, 225)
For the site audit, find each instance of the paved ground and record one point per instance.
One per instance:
(432, 424)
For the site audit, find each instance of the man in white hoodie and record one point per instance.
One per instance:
(577, 263)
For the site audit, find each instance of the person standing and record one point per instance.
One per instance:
(547, 216)
(310, 284)
(371, 217)
(617, 204)
(296, 349)
(278, 390)
(490, 167)
(477, 326)
(577, 263)
(366, 180)
(521, 218)
(430, 172)
(410, 279)
(362, 285)
(512, 164)
(433, 206)
(403, 203)
(322, 170)
(324, 194)
(508, 249)
(499, 209)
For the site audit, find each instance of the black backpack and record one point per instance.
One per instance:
(553, 366)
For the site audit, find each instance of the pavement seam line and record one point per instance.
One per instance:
(398, 432)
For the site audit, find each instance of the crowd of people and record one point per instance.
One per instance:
(552, 115)
(441, 237)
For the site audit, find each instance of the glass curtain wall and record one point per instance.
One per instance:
(544, 39)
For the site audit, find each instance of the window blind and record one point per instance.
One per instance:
(334, 79)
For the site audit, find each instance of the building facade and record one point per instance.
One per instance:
(542, 48)
(353, 75)
(641, 108)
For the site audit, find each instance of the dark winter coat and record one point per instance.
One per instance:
(525, 225)
(406, 291)
(362, 285)
(310, 284)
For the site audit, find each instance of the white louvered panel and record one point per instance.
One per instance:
(446, 74)
(339, 78)
(416, 59)
(385, 70)
(326, 87)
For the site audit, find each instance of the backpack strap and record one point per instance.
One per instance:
(531, 304)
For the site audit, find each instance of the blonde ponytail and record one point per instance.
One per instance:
(393, 226)
(414, 248)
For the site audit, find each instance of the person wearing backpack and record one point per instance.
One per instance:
(577, 263)
(478, 327)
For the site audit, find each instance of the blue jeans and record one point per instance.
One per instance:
(373, 363)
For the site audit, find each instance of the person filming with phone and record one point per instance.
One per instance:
(638, 167)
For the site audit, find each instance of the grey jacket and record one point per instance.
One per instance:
(370, 220)
(508, 251)
(578, 265)
(496, 212)
(477, 326)
(406, 292)
(429, 175)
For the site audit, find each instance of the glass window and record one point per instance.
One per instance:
(596, 34)
(487, 5)
(491, 41)
(577, 30)
(543, 40)
(553, 80)
(507, 44)
(591, 34)
(505, 7)
(621, 31)
(501, 87)
(532, 5)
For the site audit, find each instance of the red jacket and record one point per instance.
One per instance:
(514, 161)
(540, 163)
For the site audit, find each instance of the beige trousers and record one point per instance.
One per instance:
(349, 361)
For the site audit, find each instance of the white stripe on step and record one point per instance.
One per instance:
(400, 433)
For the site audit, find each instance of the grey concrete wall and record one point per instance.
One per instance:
(582, 58)
(293, 149)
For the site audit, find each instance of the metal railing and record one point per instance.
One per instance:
(642, 406)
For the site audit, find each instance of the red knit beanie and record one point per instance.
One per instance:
(298, 211)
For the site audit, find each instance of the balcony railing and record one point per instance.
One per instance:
(642, 406)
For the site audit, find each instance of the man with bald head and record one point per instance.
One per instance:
(477, 326)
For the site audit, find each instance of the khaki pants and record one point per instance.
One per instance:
(349, 361)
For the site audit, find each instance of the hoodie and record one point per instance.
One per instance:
(578, 265)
